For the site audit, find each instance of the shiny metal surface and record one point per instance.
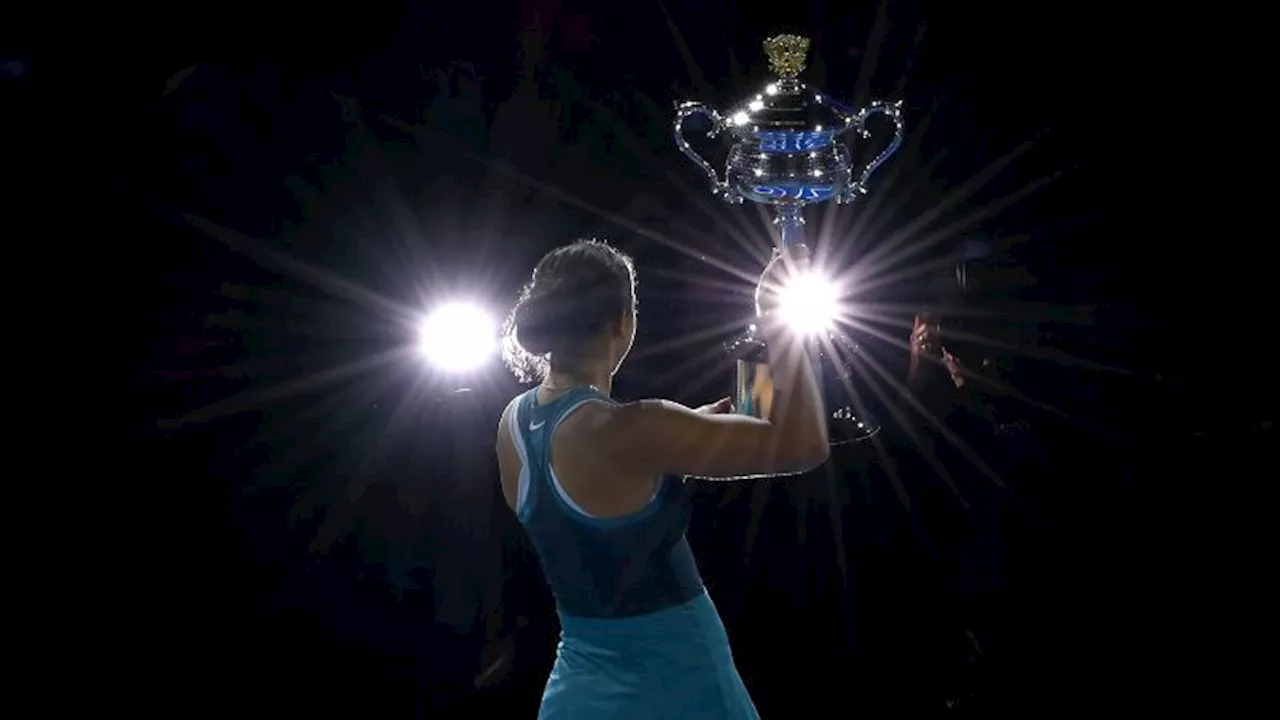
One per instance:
(787, 148)
(787, 143)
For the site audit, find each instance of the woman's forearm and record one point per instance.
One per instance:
(798, 411)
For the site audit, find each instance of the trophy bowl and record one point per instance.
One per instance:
(788, 142)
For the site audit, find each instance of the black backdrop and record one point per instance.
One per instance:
(243, 184)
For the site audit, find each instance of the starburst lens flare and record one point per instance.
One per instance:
(809, 302)
(458, 337)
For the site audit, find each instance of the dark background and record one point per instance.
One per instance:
(240, 207)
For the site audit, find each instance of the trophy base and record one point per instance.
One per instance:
(846, 427)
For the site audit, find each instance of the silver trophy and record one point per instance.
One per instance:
(787, 151)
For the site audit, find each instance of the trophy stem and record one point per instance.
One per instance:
(790, 222)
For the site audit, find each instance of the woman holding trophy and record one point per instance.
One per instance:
(598, 485)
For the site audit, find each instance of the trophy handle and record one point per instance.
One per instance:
(893, 110)
(683, 111)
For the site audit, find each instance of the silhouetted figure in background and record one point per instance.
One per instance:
(962, 446)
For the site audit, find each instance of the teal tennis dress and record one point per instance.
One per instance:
(640, 636)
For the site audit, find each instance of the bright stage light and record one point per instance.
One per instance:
(458, 336)
(809, 302)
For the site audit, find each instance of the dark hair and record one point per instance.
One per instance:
(576, 291)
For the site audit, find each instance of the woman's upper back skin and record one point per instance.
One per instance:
(608, 457)
(595, 480)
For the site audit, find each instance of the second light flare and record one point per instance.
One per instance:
(809, 302)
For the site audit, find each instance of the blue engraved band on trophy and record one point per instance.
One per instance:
(778, 141)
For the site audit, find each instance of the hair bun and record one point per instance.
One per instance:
(575, 293)
(535, 321)
(560, 313)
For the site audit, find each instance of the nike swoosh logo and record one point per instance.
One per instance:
(535, 426)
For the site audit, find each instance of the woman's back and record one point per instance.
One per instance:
(598, 567)
(640, 637)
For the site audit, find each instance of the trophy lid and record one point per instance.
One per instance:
(787, 104)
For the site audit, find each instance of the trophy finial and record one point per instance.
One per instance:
(786, 55)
